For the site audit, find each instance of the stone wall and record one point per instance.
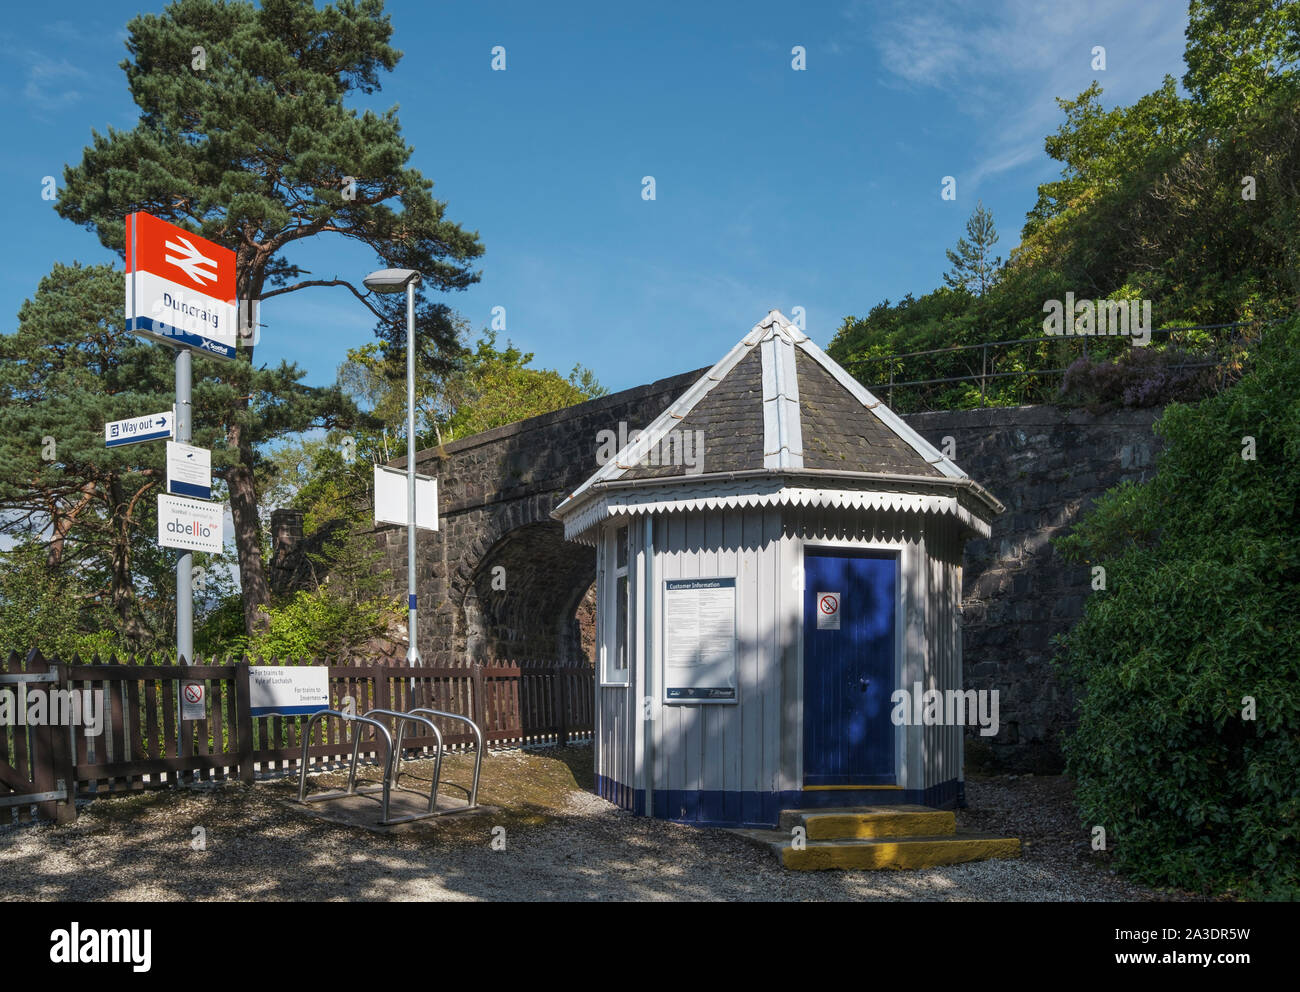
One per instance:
(1047, 465)
(499, 582)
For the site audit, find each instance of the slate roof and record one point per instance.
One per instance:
(776, 405)
(729, 422)
(839, 434)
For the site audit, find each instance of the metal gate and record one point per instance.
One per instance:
(30, 755)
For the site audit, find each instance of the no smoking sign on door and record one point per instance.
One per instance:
(828, 611)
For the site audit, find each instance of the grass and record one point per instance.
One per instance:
(528, 788)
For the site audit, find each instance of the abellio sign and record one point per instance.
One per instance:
(191, 524)
(180, 288)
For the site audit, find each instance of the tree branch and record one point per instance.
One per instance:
(324, 282)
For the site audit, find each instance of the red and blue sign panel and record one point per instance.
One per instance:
(180, 288)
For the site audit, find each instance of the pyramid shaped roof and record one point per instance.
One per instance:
(776, 420)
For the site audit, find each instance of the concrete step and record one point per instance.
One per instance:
(900, 852)
(866, 822)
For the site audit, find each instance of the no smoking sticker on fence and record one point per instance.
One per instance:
(828, 611)
(192, 707)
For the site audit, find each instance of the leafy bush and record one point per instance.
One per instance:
(51, 609)
(1199, 617)
(316, 624)
(1139, 377)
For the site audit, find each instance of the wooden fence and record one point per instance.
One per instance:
(142, 744)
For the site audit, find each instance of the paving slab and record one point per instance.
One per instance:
(364, 809)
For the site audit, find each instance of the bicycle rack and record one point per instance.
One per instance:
(393, 760)
(394, 772)
(351, 790)
(478, 752)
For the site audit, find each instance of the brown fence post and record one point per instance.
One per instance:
(64, 759)
(383, 687)
(244, 722)
(42, 737)
(477, 708)
(562, 697)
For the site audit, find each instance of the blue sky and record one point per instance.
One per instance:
(774, 187)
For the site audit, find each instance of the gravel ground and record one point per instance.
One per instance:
(561, 843)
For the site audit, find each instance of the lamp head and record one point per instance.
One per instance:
(391, 280)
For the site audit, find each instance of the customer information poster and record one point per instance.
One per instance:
(700, 640)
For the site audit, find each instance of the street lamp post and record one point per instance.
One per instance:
(394, 281)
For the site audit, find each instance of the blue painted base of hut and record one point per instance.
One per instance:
(763, 809)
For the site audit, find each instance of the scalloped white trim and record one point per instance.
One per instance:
(631, 502)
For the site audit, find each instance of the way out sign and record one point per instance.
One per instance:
(191, 524)
(133, 430)
(828, 611)
(180, 288)
(192, 703)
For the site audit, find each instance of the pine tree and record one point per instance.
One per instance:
(70, 367)
(972, 268)
(244, 137)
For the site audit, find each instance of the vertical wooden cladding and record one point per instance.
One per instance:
(945, 547)
(619, 710)
(727, 748)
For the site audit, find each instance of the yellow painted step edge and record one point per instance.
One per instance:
(836, 826)
(901, 855)
(852, 788)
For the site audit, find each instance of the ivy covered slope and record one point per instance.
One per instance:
(1187, 664)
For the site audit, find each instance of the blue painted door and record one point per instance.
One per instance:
(849, 671)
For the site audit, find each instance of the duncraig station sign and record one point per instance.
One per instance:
(180, 288)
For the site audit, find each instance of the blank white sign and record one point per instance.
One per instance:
(390, 498)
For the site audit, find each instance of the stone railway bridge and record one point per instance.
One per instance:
(498, 582)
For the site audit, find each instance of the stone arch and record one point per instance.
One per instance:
(528, 596)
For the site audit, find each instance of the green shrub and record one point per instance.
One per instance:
(318, 624)
(54, 610)
(1201, 609)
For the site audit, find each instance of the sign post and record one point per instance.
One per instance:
(185, 565)
(180, 291)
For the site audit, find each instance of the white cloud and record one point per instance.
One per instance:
(1012, 59)
(52, 83)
